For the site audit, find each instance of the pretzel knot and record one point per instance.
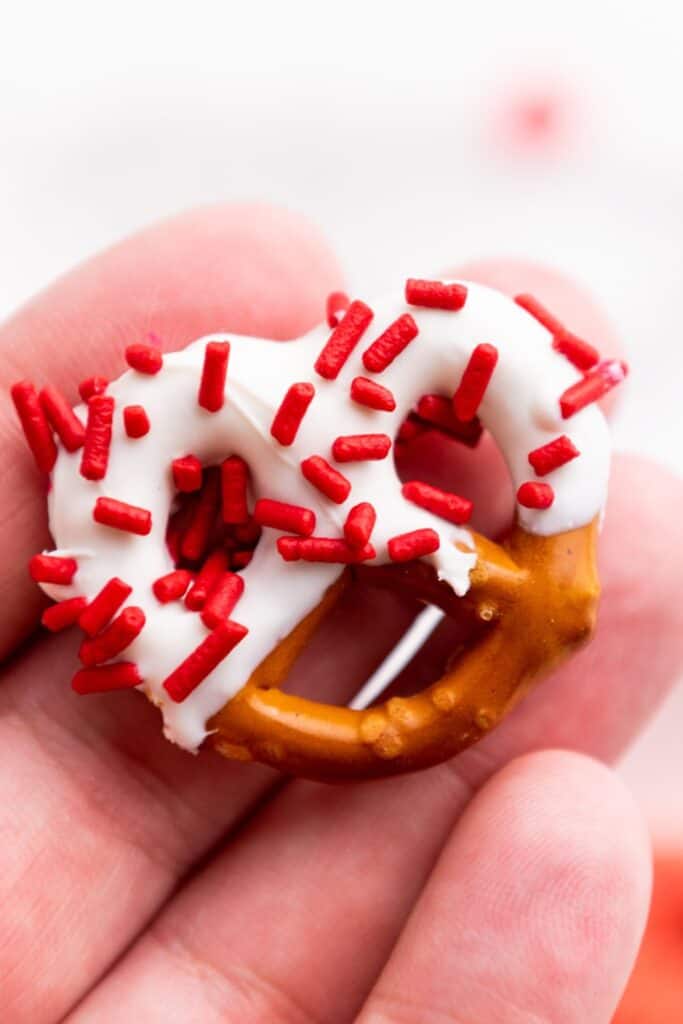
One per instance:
(210, 507)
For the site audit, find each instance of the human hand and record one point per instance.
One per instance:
(140, 884)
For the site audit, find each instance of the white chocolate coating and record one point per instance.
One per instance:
(520, 408)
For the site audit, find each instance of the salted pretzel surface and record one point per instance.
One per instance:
(305, 491)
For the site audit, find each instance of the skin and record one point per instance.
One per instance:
(138, 883)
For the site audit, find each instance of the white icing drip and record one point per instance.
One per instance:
(519, 408)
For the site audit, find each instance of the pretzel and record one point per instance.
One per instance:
(211, 506)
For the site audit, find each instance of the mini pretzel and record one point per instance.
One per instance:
(293, 442)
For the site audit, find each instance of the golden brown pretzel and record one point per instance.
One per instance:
(538, 598)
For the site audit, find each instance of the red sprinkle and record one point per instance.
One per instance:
(92, 386)
(539, 312)
(361, 447)
(343, 340)
(336, 306)
(144, 358)
(578, 352)
(214, 372)
(281, 516)
(575, 349)
(175, 528)
(187, 474)
(196, 537)
(122, 516)
(291, 412)
(210, 572)
(474, 382)
(52, 569)
(234, 477)
(172, 586)
(435, 294)
(63, 419)
(203, 660)
(596, 383)
(321, 474)
(437, 411)
(224, 595)
(135, 421)
(104, 606)
(441, 503)
(370, 393)
(553, 455)
(248, 533)
(412, 427)
(63, 614)
(359, 524)
(34, 424)
(535, 495)
(121, 676)
(289, 548)
(323, 549)
(97, 437)
(241, 559)
(114, 639)
(415, 544)
(390, 344)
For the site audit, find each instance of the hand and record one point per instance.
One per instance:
(141, 884)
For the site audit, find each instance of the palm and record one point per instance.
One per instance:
(141, 884)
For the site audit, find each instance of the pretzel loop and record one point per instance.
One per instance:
(538, 596)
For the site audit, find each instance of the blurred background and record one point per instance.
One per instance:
(417, 136)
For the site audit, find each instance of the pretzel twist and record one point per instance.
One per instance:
(283, 453)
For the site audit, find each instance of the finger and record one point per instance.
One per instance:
(245, 268)
(101, 809)
(294, 920)
(535, 908)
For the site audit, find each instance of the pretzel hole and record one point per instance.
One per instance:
(380, 609)
(462, 458)
(439, 654)
(200, 514)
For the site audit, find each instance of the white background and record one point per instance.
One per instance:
(393, 127)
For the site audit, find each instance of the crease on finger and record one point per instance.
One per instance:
(389, 1008)
(230, 991)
